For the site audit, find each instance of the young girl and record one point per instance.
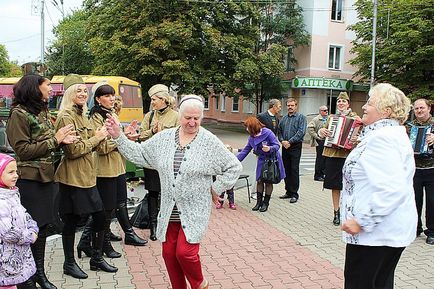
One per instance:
(17, 229)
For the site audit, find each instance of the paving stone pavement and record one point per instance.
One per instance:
(290, 246)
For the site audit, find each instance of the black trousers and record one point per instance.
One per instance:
(320, 160)
(291, 161)
(370, 267)
(424, 179)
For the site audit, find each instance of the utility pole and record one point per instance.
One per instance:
(374, 40)
(62, 10)
(42, 33)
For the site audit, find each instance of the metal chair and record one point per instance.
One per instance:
(246, 177)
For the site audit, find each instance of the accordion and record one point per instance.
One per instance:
(417, 136)
(342, 129)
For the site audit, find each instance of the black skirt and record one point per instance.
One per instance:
(333, 173)
(112, 191)
(152, 180)
(79, 201)
(40, 200)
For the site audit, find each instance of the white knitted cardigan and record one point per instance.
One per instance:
(205, 156)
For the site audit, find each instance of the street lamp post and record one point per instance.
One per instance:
(374, 40)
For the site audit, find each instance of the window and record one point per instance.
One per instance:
(206, 103)
(335, 57)
(337, 10)
(288, 60)
(216, 102)
(235, 103)
(247, 106)
(223, 102)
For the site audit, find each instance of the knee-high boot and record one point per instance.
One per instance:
(97, 262)
(38, 250)
(84, 245)
(153, 213)
(265, 204)
(258, 201)
(70, 267)
(107, 247)
(131, 237)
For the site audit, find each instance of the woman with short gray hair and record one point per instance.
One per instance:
(186, 158)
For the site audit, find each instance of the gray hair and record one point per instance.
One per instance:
(388, 96)
(273, 102)
(191, 101)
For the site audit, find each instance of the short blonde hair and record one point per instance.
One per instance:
(388, 96)
(68, 98)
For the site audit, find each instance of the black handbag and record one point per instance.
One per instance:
(270, 173)
(140, 218)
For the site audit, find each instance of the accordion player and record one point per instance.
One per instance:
(342, 129)
(417, 135)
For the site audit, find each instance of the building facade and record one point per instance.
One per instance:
(322, 70)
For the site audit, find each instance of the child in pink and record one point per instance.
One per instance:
(17, 229)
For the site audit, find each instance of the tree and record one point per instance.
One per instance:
(8, 68)
(405, 44)
(198, 46)
(70, 52)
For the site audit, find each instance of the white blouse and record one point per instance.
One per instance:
(378, 187)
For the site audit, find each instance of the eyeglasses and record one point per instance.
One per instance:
(324, 110)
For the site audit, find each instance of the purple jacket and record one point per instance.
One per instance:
(16, 228)
(255, 143)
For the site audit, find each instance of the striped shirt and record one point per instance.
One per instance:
(177, 160)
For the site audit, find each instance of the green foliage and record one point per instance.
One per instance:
(8, 68)
(405, 44)
(236, 47)
(70, 52)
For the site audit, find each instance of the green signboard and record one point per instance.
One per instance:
(322, 83)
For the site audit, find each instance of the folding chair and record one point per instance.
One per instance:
(246, 177)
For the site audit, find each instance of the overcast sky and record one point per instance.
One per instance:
(20, 31)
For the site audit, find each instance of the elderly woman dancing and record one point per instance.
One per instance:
(379, 215)
(186, 158)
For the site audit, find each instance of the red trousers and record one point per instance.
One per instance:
(181, 258)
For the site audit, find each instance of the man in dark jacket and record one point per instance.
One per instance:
(269, 118)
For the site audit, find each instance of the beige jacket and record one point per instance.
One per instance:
(168, 118)
(109, 162)
(77, 167)
(313, 127)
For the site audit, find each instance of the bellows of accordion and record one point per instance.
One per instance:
(342, 129)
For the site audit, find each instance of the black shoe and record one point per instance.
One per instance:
(430, 240)
(285, 196)
(320, 179)
(114, 238)
(293, 200)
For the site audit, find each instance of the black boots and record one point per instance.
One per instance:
(97, 262)
(38, 250)
(131, 237)
(337, 218)
(70, 267)
(107, 247)
(153, 213)
(265, 204)
(258, 205)
(84, 245)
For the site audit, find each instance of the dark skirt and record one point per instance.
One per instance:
(79, 201)
(333, 173)
(152, 180)
(40, 200)
(112, 191)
